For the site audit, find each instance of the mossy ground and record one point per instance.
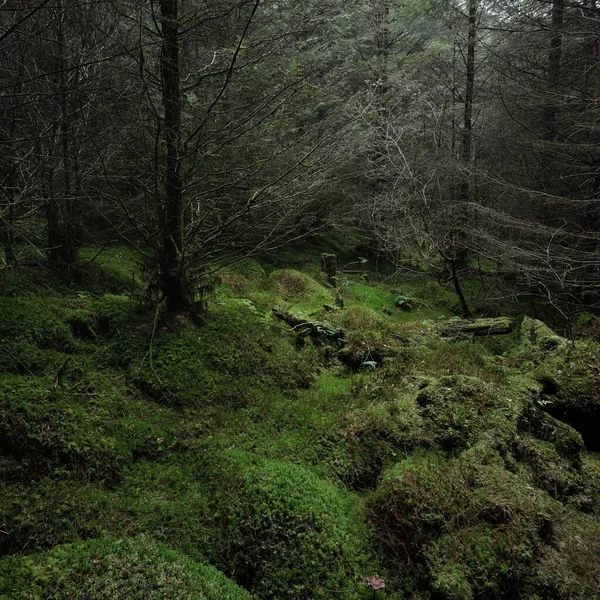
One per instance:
(132, 442)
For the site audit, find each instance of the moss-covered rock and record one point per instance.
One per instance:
(537, 335)
(467, 526)
(114, 568)
(375, 436)
(567, 442)
(460, 410)
(569, 375)
(289, 534)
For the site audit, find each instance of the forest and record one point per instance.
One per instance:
(300, 300)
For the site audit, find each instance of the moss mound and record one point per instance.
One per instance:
(91, 425)
(123, 568)
(465, 527)
(461, 410)
(291, 535)
(569, 377)
(224, 361)
(375, 435)
(294, 286)
(33, 320)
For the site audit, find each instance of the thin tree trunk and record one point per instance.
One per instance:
(467, 133)
(550, 110)
(172, 275)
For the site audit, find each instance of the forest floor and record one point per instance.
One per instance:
(144, 457)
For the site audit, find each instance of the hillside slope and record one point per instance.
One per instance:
(362, 456)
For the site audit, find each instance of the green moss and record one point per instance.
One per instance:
(566, 441)
(537, 335)
(461, 410)
(294, 285)
(590, 498)
(226, 361)
(290, 534)
(568, 568)
(111, 568)
(91, 425)
(481, 561)
(37, 515)
(170, 501)
(426, 500)
(549, 470)
(33, 320)
(375, 436)
(115, 269)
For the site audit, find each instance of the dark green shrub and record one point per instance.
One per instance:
(291, 535)
(131, 569)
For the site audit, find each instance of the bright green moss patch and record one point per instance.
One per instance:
(114, 568)
(290, 534)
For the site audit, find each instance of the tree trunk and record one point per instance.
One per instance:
(478, 327)
(173, 285)
(550, 109)
(467, 134)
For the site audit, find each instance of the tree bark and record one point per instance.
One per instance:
(478, 327)
(173, 285)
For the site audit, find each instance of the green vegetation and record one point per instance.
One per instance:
(119, 568)
(140, 447)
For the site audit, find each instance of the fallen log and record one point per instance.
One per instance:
(318, 332)
(477, 327)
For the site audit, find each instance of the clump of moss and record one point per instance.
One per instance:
(34, 321)
(465, 527)
(289, 534)
(114, 568)
(550, 471)
(376, 436)
(89, 424)
(567, 442)
(225, 361)
(39, 424)
(38, 515)
(294, 286)
(460, 410)
(569, 567)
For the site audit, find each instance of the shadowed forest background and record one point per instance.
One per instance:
(298, 299)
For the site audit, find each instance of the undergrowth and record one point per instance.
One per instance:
(138, 448)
